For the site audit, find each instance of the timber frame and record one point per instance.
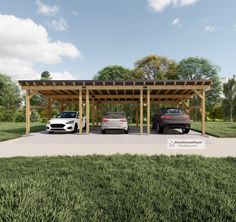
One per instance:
(96, 93)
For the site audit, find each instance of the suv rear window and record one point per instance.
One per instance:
(114, 115)
(172, 111)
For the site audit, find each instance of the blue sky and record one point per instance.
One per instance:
(74, 39)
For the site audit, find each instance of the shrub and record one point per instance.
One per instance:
(34, 117)
(20, 116)
(6, 115)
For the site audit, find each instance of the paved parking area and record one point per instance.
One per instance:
(41, 143)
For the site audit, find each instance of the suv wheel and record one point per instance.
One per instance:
(75, 128)
(185, 131)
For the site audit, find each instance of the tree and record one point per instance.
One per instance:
(46, 75)
(229, 90)
(155, 67)
(10, 98)
(216, 112)
(195, 68)
(114, 72)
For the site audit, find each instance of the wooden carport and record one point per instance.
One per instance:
(138, 92)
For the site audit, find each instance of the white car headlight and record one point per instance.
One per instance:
(70, 122)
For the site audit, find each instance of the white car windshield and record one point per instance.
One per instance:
(114, 115)
(67, 115)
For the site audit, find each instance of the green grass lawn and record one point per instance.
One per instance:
(118, 188)
(11, 130)
(219, 129)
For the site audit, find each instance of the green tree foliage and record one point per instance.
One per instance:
(155, 67)
(39, 100)
(20, 116)
(116, 73)
(195, 68)
(113, 73)
(46, 75)
(229, 103)
(10, 98)
(216, 112)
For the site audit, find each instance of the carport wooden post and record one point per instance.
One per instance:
(49, 108)
(99, 112)
(203, 107)
(80, 112)
(62, 106)
(96, 114)
(87, 111)
(187, 106)
(93, 112)
(27, 112)
(202, 96)
(141, 111)
(136, 115)
(148, 111)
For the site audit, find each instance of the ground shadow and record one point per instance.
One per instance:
(132, 131)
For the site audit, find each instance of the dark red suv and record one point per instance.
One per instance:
(174, 118)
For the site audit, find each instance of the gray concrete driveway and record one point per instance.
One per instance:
(41, 144)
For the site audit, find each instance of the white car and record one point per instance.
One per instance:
(65, 122)
(115, 121)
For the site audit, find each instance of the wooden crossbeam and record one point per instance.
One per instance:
(198, 93)
(38, 88)
(124, 96)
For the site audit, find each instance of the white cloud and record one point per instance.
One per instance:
(160, 5)
(24, 44)
(176, 22)
(46, 9)
(58, 25)
(62, 75)
(211, 28)
(18, 69)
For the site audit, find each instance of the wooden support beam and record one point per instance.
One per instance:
(93, 114)
(198, 94)
(141, 111)
(175, 87)
(27, 113)
(137, 102)
(148, 111)
(80, 112)
(39, 88)
(97, 115)
(203, 107)
(62, 107)
(49, 108)
(124, 96)
(113, 87)
(187, 106)
(136, 115)
(87, 111)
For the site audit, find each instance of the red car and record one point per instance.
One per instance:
(174, 118)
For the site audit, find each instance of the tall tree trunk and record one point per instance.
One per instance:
(231, 112)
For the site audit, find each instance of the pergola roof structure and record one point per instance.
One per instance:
(116, 92)
(164, 91)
